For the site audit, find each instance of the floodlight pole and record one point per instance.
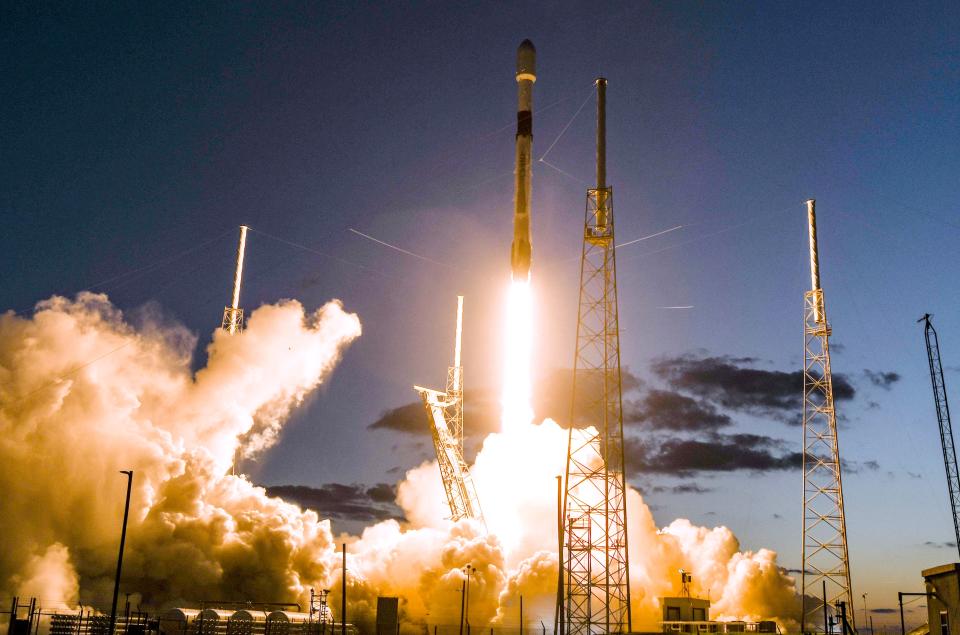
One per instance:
(123, 539)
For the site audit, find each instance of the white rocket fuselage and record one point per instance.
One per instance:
(521, 249)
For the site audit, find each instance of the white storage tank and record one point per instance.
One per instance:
(176, 621)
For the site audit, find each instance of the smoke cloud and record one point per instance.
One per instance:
(84, 394)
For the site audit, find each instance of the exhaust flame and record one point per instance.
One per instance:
(517, 397)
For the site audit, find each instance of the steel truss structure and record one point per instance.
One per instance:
(233, 315)
(825, 558)
(596, 567)
(943, 419)
(445, 412)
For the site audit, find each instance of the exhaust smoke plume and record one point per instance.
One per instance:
(68, 424)
(83, 394)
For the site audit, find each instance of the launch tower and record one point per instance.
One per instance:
(445, 413)
(233, 314)
(596, 569)
(943, 418)
(825, 561)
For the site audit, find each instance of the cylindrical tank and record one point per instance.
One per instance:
(246, 622)
(290, 622)
(176, 621)
(211, 622)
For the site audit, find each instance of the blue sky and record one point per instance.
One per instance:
(136, 140)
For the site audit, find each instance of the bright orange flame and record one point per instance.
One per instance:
(517, 401)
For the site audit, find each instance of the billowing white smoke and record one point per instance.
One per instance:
(68, 425)
(83, 394)
(515, 474)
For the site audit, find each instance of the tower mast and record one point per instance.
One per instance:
(825, 558)
(943, 419)
(596, 567)
(233, 314)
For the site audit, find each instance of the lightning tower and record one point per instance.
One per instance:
(445, 413)
(596, 568)
(943, 418)
(825, 560)
(233, 314)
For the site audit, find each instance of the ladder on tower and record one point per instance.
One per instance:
(445, 413)
(943, 419)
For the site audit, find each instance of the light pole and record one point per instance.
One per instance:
(866, 620)
(123, 539)
(470, 570)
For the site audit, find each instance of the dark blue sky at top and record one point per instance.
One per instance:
(136, 138)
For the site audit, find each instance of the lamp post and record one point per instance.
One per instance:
(470, 570)
(123, 539)
(865, 618)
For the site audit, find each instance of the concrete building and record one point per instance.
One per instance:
(943, 601)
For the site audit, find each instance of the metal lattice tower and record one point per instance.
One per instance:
(596, 567)
(943, 419)
(445, 412)
(825, 559)
(233, 314)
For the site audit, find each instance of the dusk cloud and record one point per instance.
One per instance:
(881, 379)
(665, 410)
(715, 453)
(731, 382)
(356, 502)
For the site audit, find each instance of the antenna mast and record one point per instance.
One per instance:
(596, 568)
(233, 314)
(943, 419)
(825, 560)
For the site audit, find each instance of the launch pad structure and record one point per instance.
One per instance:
(445, 413)
(825, 571)
(233, 314)
(596, 591)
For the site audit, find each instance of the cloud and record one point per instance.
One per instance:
(731, 383)
(355, 502)
(683, 488)
(940, 545)
(716, 453)
(881, 379)
(482, 406)
(884, 610)
(665, 410)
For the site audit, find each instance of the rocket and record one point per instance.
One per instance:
(520, 250)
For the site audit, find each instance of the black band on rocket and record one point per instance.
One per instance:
(524, 123)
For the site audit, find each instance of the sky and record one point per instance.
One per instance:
(135, 139)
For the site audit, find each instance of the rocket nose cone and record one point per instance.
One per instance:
(526, 58)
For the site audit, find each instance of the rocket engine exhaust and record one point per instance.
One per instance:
(520, 250)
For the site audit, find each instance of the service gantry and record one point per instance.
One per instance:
(233, 314)
(445, 413)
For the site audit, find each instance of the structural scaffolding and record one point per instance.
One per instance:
(943, 419)
(826, 565)
(233, 314)
(595, 568)
(445, 413)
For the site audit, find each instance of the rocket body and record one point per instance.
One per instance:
(521, 249)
